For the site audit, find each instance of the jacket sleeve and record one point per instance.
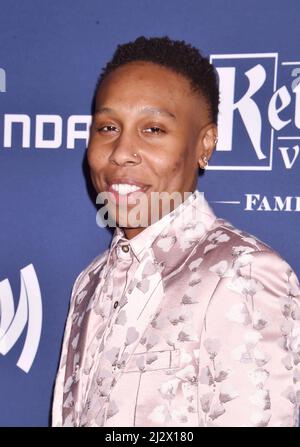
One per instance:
(249, 357)
(59, 381)
(81, 281)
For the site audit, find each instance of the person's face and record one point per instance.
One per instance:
(145, 109)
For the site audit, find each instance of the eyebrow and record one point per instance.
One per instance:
(151, 110)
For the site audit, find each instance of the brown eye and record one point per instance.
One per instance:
(106, 129)
(154, 130)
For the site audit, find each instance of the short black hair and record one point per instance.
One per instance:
(177, 55)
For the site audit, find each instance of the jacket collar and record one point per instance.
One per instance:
(178, 231)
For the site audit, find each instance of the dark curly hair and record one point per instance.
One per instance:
(177, 55)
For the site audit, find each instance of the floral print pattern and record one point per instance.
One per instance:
(206, 332)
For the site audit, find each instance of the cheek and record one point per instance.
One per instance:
(171, 170)
(95, 159)
(178, 165)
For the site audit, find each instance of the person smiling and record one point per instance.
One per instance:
(184, 320)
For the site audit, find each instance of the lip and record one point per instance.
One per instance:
(132, 196)
(127, 180)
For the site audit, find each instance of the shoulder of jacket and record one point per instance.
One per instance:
(234, 240)
(225, 244)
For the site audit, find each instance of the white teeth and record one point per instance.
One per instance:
(123, 188)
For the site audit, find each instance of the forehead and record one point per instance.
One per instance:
(135, 86)
(146, 79)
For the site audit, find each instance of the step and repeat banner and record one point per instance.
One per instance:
(51, 53)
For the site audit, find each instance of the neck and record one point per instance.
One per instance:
(132, 232)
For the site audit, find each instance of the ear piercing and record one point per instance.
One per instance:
(204, 162)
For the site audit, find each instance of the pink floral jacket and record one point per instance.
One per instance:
(214, 338)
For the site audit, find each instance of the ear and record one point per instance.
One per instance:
(206, 143)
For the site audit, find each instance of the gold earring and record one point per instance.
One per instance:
(204, 162)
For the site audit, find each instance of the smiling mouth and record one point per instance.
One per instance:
(122, 191)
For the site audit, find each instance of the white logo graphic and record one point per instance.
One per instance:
(60, 130)
(2, 81)
(253, 111)
(261, 202)
(29, 310)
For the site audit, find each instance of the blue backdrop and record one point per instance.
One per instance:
(51, 53)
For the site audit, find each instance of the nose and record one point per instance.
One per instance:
(124, 152)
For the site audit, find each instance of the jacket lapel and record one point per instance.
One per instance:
(174, 246)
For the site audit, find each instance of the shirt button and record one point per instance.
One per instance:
(125, 248)
(116, 304)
